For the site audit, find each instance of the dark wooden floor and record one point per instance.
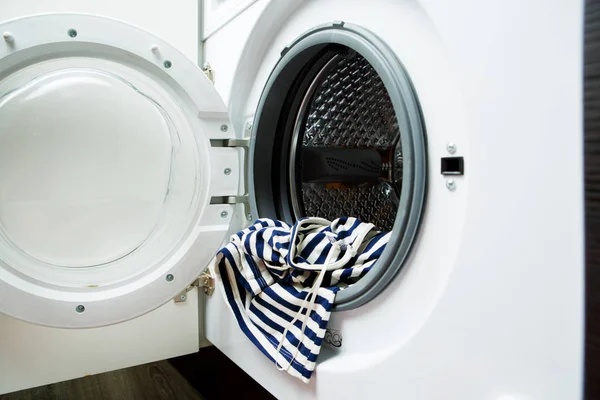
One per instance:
(225, 379)
(154, 381)
(205, 375)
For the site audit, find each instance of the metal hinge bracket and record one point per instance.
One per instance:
(204, 281)
(243, 199)
(229, 199)
(230, 143)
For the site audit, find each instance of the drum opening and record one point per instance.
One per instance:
(339, 132)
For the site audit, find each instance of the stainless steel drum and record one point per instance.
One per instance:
(348, 107)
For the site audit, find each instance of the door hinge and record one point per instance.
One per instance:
(229, 200)
(208, 71)
(244, 200)
(204, 281)
(230, 143)
(236, 199)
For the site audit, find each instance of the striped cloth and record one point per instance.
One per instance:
(272, 273)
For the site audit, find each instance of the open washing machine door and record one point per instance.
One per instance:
(109, 176)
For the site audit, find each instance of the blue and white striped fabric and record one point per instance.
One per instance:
(280, 281)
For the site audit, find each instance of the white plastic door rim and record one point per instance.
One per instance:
(105, 171)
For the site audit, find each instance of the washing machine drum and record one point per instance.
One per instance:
(339, 132)
(348, 155)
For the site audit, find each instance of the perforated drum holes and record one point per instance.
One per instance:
(340, 165)
(349, 145)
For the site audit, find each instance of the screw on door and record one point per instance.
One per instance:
(8, 37)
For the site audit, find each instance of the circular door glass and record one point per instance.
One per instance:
(85, 160)
(95, 185)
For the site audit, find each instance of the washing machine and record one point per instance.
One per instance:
(136, 137)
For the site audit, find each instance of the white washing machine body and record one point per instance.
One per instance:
(489, 303)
